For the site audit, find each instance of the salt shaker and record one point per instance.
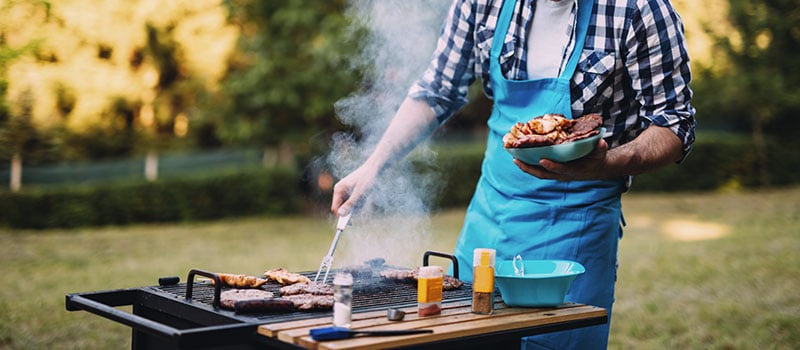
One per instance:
(342, 299)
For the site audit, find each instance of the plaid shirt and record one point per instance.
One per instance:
(633, 69)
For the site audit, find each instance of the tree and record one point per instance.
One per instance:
(756, 78)
(291, 64)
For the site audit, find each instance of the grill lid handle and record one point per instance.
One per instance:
(211, 275)
(426, 256)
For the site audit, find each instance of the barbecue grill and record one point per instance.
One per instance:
(187, 315)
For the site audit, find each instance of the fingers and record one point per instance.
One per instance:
(350, 203)
(347, 195)
(534, 170)
(586, 168)
(341, 193)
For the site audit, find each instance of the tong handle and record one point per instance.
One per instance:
(343, 221)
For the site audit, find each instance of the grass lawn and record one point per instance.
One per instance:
(697, 271)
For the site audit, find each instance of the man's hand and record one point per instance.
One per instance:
(655, 147)
(589, 167)
(352, 190)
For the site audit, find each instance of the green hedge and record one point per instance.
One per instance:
(721, 161)
(718, 161)
(260, 191)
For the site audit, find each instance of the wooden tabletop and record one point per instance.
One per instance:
(456, 322)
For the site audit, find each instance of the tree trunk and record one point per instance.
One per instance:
(15, 183)
(760, 146)
(151, 166)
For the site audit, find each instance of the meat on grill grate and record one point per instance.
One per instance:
(228, 298)
(448, 282)
(312, 288)
(310, 302)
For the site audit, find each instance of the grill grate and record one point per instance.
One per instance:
(369, 294)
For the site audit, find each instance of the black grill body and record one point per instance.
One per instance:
(162, 317)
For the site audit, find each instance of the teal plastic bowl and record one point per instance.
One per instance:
(562, 153)
(545, 282)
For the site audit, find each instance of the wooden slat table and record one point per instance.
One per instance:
(457, 327)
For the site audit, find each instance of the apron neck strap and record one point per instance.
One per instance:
(501, 29)
(582, 26)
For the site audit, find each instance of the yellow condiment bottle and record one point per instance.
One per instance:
(483, 260)
(429, 290)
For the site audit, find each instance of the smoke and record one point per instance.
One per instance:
(394, 222)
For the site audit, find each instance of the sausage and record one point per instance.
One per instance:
(263, 305)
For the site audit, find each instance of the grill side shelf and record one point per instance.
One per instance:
(103, 303)
(158, 319)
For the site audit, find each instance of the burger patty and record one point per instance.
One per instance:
(312, 288)
(228, 298)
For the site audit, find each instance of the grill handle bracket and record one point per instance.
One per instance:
(211, 275)
(426, 257)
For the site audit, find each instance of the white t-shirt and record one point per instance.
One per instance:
(547, 38)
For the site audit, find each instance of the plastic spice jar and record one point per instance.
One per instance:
(483, 260)
(342, 299)
(429, 291)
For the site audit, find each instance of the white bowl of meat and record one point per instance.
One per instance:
(554, 137)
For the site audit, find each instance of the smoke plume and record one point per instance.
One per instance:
(394, 222)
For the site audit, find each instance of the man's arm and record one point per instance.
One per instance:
(413, 122)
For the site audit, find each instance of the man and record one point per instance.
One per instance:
(624, 59)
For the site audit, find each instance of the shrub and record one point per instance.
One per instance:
(275, 191)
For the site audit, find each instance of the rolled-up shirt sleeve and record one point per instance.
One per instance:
(445, 83)
(658, 65)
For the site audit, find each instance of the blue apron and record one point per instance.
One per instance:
(516, 213)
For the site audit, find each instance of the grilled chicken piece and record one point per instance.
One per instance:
(410, 275)
(552, 129)
(285, 277)
(240, 281)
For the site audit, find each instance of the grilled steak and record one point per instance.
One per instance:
(311, 302)
(228, 298)
(263, 305)
(586, 124)
(312, 288)
(448, 282)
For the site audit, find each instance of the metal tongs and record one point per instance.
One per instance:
(327, 260)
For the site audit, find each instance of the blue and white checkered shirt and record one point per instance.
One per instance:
(633, 70)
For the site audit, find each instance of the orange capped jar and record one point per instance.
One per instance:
(483, 260)
(429, 291)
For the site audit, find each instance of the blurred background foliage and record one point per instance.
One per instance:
(89, 79)
(99, 80)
